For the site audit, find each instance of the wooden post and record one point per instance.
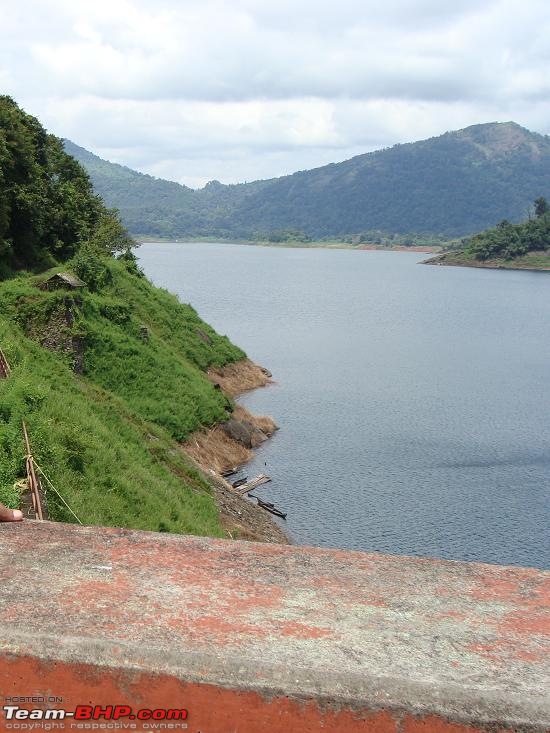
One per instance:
(32, 479)
(5, 370)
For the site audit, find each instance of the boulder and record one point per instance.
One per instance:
(244, 432)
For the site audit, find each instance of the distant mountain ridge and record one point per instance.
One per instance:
(450, 186)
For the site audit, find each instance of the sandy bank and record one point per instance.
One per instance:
(428, 248)
(401, 248)
(242, 376)
(231, 444)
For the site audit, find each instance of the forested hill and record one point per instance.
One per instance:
(127, 187)
(154, 207)
(451, 185)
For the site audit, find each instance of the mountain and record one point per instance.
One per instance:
(451, 185)
(154, 207)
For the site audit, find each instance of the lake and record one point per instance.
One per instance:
(413, 401)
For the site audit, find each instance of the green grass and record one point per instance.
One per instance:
(107, 439)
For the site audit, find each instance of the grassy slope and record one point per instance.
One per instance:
(107, 439)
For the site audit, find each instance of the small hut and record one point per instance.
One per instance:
(63, 281)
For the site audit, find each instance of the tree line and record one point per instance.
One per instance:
(48, 208)
(508, 240)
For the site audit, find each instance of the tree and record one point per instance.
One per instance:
(541, 206)
(110, 235)
(47, 204)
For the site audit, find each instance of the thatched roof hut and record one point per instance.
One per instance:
(63, 281)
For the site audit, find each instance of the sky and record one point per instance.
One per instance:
(247, 89)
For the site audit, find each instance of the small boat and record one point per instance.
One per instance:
(270, 508)
(240, 482)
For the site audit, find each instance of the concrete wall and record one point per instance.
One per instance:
(251, 638)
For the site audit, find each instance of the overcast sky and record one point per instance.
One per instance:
(247, 89)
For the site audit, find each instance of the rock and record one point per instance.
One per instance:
(79, 347)
(244, 433)
(203, 336)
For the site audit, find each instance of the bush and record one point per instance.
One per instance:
(91, 267)
(508, 241)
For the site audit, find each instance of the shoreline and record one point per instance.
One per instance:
(231, 445)
(442, 261)
(401, 248)
(428, 249)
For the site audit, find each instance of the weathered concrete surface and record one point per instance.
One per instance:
(252, 637)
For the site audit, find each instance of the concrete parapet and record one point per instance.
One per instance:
(252, 637)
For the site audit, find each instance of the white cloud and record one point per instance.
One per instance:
(256, 88)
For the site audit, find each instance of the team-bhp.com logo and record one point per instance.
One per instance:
(94, 713)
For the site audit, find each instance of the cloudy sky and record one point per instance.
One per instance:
(247, 89)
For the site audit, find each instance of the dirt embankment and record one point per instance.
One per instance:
(230, 445)
(242, 376)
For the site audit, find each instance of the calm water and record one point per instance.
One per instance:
(414, 402)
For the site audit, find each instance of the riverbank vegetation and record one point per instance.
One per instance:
(521, 246)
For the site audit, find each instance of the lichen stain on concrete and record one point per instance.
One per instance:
(536, 623)
(504, 588)
(492, 651)
(534, 657)
(218, 630)
(302, 631)
(451, 615)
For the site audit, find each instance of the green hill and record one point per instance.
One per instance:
(157, 208)
(448, 186)
(110, 377)
(108, 437)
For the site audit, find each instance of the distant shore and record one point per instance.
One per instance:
(428, 249)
